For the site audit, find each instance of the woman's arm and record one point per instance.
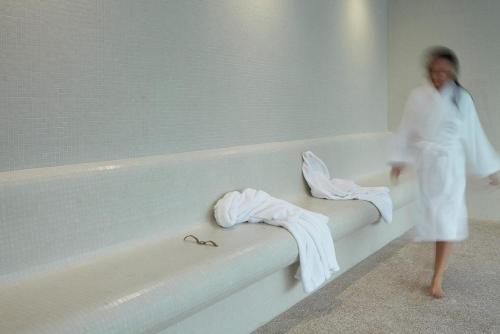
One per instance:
(482, 158)
(401, 154)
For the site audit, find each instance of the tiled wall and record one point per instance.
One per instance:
(92, 80)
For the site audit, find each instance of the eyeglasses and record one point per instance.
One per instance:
(201, 242)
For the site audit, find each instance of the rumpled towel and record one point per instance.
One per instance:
(322, 186)
(310, 230)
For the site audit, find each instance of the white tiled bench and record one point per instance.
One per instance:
(98, 248)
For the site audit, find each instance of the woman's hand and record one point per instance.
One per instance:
(396, 171)
(494, 179)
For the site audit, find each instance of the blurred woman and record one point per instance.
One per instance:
(441, 137)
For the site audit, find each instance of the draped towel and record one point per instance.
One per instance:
(322, 186)
(310, 230)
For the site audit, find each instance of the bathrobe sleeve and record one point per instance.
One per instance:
(401, 152)
(482, 159)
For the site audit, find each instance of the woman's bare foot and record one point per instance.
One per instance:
(443, 250)
(436, 290)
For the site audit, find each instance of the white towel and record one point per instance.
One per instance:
(322, 186)
(310, 230)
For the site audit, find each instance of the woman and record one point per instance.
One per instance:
(441, 137)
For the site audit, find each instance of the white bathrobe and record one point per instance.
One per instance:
(310, 230)
(440, 135)
(322, 186)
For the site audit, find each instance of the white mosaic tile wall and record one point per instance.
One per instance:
(93, 80)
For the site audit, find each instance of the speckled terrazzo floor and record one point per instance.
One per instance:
(387, 292)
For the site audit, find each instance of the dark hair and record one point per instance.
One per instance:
(436, 52)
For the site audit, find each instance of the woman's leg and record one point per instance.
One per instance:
(443, 250)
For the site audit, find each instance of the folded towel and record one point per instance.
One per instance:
(310, 230)
(322, 186)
